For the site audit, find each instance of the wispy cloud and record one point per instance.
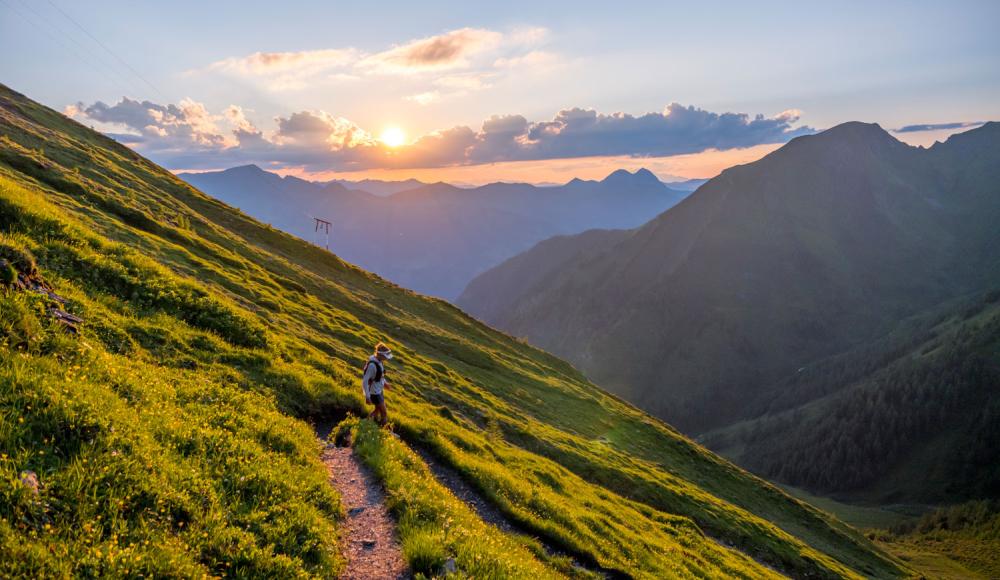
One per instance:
(464, 55)
(447, 51)
(537, 59)
(938, 126)
(187, 136)
(264, 63)
(425, 98)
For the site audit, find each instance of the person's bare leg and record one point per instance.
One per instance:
(383, 415)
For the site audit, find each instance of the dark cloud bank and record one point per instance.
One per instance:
(188, 136)
(937, 127)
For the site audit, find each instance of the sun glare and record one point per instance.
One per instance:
(393, 137)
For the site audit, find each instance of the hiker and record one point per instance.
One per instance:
(373, 382)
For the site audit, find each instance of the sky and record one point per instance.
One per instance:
(516, 91)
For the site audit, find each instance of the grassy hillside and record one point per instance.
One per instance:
(958, 542)
(168, 437)
(963, 541)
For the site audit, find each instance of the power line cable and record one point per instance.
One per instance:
(108, 50)
(48, 20)
(59, 40)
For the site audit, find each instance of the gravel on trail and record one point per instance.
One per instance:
(368, 538)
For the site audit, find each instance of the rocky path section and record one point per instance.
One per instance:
(368, 537)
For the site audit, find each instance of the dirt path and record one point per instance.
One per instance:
(368, 541)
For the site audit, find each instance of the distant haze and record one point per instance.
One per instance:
(434, 238)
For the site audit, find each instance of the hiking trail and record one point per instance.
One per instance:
(369, 542)
(491, 514)
(368, 538)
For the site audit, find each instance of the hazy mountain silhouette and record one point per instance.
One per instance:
(687, 184)
(818, 247)
(380, 187)
(435, 238)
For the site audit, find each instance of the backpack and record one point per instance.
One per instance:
(378, 370)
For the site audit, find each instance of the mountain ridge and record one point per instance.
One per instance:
(763, 273)
(435, 237)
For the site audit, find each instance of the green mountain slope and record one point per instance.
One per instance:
(168, 437)
(960, 542)
(526, 275)
(914, 418)
(821, 246)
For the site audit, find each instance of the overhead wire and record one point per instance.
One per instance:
(115, 55)
(60, 41)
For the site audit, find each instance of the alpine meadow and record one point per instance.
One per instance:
(500, 290)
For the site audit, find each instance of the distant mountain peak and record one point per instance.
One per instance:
(858, 131)
(642, 176)
(249, 169)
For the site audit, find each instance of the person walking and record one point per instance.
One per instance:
(373, 383)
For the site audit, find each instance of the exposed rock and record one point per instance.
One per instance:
(30, 480)
(34, 283)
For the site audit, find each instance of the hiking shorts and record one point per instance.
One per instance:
(377, 399)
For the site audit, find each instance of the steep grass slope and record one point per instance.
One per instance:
(163, 436)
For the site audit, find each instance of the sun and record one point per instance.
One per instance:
(393, 137)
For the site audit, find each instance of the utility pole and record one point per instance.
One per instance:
(325, 226)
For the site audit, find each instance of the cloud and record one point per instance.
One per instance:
(467, 52)
(186, 124)
(442, 52)
(534, 60)
(188, 136)
(938, 127)
(677, 130)
(425, 98)
(265, 63)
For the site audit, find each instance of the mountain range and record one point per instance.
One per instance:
(783, 294)
(434, 238)
(380, 187)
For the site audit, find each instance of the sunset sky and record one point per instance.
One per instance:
(474, 92)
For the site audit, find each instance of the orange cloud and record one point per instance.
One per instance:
(441, 52)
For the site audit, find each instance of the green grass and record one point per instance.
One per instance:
(222, 334)
(434, 525)
(960, 541)
(930, 561)
(861, 516)
(957, 542)
(148, 470)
